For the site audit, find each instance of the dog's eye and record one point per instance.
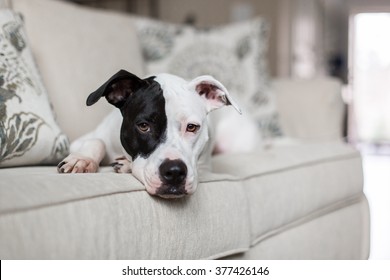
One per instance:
(143, 127)
(192, 127)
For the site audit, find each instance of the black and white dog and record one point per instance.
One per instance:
(161, 132)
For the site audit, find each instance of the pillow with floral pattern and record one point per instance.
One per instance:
(29, 134)
(235, 54)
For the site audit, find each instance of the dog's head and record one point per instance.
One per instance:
(164, 127)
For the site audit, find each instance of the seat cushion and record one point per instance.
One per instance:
(292, 184)
(110, 216)
(341, 234)
(46, 215)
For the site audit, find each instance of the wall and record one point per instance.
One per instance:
(208, 13)
(326, 22)
(336, 37)
(308, 37)
(205, 13)
(367, 5)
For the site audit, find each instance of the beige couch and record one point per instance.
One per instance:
(301, 200)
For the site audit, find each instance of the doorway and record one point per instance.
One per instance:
(369, 117)
(370, 79)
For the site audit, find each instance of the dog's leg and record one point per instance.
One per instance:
(85, 158)
(122, 165)
(88, 151)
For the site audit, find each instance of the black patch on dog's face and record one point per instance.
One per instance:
(144, 120)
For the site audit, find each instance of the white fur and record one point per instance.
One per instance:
(183, 105)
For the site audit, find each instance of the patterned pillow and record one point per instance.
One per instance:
(28, 131)
(235, 54)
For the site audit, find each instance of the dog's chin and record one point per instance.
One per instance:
(170, 193)
(159, 193)
(171, 196)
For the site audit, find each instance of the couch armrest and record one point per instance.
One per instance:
(310, 109)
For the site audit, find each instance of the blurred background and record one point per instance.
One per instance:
(346, 39)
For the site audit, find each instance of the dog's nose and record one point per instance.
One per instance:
(173, 172)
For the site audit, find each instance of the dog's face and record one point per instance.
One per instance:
(164, 127)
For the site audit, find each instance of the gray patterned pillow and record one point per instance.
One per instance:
(235, 54)
(28, 131)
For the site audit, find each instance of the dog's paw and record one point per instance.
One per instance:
(121, 165)
(77, 164)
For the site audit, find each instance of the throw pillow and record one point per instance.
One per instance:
(235, 54)
(28, 131)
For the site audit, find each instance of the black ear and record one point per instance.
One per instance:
(117, 89)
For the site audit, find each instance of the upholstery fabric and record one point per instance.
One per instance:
(76, 53)
(234, 54)
(29, 133)
(110, 216)
(299, 180)
(264, 195)
(320, 112)
(343, 229)
(298, 201)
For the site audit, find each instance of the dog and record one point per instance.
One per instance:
(161, 132)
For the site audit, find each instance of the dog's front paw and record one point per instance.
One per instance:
(122, 165)
(77, 164)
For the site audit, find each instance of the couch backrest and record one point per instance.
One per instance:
(310, 109)
(5, 3)
(77, 49)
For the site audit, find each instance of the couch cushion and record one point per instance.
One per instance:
(77, 49)
(341, 234)
(235, 54)
(289, 184)
(106, 215)
(29, 133)
(310, 109)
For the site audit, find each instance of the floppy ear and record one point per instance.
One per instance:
(213, 92)
(117, 89)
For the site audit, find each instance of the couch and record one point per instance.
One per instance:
(302, 199)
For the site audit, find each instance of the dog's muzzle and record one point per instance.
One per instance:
(173, 174)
